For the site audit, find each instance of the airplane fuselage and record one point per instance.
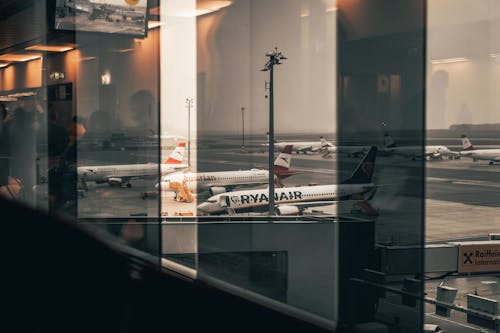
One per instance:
(301, 146)
(430, 151)
(258, 199)
(482, 154)
(102, 173)
(202, 181)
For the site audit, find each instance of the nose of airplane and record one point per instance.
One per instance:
(161, 185)
(203, 207)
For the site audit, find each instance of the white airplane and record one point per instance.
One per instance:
(293, 200)
(328, 148)
(431, 152)
(299, 146)
(123, 173)
(226, 181)
(492, 155)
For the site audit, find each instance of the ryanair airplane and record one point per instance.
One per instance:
(294, 200)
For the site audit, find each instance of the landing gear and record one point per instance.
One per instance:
(491, 163)
(129, 185)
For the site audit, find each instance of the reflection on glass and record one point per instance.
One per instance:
(288, 258)
(461, 189)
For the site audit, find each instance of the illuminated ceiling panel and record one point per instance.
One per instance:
(17, 57)
(51, 48)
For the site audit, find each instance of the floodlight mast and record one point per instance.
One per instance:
(275, 58)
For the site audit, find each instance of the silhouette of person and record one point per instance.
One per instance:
(62, 191)
(10, 187)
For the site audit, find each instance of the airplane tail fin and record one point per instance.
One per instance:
(466, 143)
(323, 141)
(282, 163)
(364, 171)
(389, 141)
(177, 155)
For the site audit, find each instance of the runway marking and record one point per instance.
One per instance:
(464, 182)
(476, 183)
(454, 322)
(489, 282)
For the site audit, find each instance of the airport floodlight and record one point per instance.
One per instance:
(274, 58)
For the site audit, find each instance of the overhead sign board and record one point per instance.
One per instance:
(478, 256)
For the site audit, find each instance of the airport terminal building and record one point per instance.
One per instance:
(250, 165)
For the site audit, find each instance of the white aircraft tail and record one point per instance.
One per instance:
(177, 155)
(466, 143)
(324, 143)
(282, 163)
(389, 141)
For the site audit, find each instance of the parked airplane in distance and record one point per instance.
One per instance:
(328, 148)
(294, 200)
(303, 147)
(226, 181)
(430, 152)
(492, 155)
(123, 173)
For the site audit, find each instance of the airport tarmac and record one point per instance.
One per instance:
(462, 201)
(457, 191)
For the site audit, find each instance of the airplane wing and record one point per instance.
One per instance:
(304, 149)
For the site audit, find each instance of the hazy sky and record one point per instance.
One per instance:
(231, 53)
(465, 88)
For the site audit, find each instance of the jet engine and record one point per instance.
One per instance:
(288, 210)
(217, 190)
(115, 181)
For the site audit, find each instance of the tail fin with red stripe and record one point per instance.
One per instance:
(177, 154)
(466, 143)
(282, 163)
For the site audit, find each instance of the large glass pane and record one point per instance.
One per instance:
(254, 57)
(381, 51)
(81, 132)
(462, 184)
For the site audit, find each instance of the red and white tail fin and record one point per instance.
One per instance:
(282, 162)
(177, 155)
(324, 143)
(466, 144)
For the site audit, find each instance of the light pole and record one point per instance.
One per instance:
(242, 127)
(274, 58)
(189, 104)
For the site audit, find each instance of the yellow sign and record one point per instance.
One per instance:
(478, 257)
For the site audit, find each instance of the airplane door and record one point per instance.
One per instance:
(224, 201)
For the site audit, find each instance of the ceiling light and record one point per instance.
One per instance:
(23, 94)
(7, 99)
(3, 64)
(50, 48)
(19, 57)
(448, 60)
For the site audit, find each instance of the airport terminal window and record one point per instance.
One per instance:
(75, 79)
(150, 120)
(462, 138)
